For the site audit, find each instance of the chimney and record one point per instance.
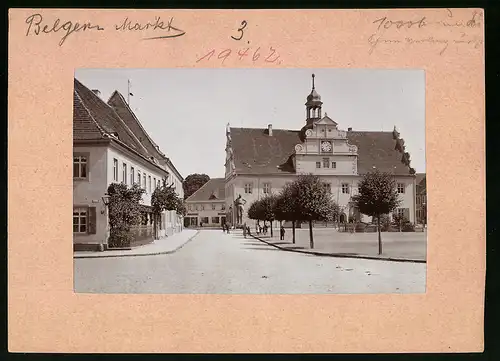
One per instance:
(349, 129)
(270, 130)
(97, 92)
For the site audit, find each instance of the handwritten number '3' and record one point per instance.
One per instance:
(240, 30)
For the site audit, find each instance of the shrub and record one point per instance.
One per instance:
(408, 227)
(120, 237)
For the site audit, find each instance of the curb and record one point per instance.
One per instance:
(341, 255)
(143, 254)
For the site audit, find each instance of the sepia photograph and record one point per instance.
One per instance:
(249, 181)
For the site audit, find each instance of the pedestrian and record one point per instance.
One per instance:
(265, 228)
(282, 233)
(224, 227)
(248, 230)
(245, 231)
(257, 228)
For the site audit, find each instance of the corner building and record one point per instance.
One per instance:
(262, 161)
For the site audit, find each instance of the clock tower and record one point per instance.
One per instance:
(325, 149)
(313, 105)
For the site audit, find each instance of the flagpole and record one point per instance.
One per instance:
(128, 92)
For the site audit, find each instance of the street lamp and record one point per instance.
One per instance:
(105, 201)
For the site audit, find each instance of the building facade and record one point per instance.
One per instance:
(421, 203)
(207, 206)
(262, 161)
(110, 146)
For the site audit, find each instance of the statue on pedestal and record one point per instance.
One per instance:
(239, 204)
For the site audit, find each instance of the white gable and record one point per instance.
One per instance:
(326, 120)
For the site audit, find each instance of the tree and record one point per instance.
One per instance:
(377, 196)
(313, 202)
(193, 182)
(263, 210)
(164, 198)
(267, 208)
(285, 207)
(124, 212)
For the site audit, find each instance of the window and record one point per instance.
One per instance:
(213, 206)
(326, 163)
(334, 165)
(79, 167)
(318, 164)
(139, 178)
(154, 183)
(328, 187)
(80, 220)
(403, 212)
(248, 188)
(159, 185)
(345, 188)
(149, 184)
(223, 207)
(124, 173)
(115, 169)
(132, 176)
(202, 207)
(215, 220)
(196, 207)
(204, 219)
(401, 188)
(267, 188)
(144, 181)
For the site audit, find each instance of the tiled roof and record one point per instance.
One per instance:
(256, 152)
(88, 106)
(212, 190)
(118, 103)
(377, 149)
(84, 126)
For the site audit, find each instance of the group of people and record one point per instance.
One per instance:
(258, 230)
(263, 230)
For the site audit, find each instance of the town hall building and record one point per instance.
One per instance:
(261, 161)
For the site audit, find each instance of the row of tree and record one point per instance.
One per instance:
(125, 209)
(308, 200)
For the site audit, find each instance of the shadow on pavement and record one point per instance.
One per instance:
(263, 248)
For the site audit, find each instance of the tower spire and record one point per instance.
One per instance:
(313, 80)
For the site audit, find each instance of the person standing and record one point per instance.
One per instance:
(245, 231)
(282, 233)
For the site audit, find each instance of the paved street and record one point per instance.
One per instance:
(217, 263)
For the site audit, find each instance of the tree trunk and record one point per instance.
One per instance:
(379, 236)
(271, 228)
(293, 232)
(311, 240)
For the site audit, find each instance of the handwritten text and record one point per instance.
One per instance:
(37, 27)
(253, 54)
(158, 24)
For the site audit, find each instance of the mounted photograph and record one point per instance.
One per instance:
(249, 181)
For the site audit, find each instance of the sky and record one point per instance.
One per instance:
(185, 111)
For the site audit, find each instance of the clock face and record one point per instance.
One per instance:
(326, 146)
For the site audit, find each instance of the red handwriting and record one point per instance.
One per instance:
(242, 54)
